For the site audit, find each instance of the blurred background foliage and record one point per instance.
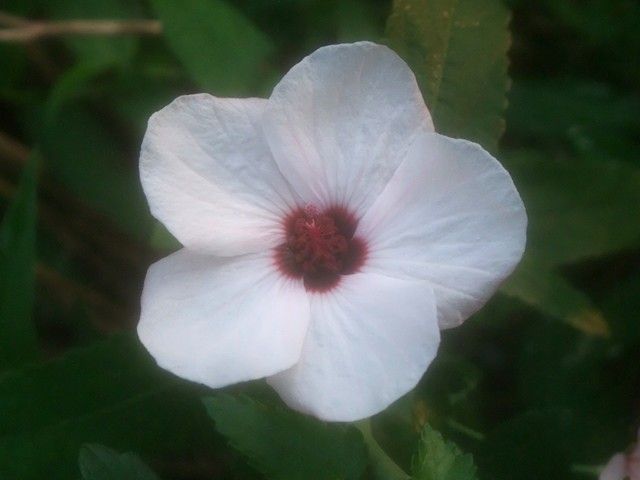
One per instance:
(543, 383)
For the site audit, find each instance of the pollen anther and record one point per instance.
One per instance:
(320, 247)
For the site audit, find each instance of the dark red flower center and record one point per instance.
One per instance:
(320, 247)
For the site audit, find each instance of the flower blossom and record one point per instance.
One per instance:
(329, 234)
(623, 465)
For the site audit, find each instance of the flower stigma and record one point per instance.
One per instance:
(320, 247)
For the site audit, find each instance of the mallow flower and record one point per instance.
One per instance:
(329, 234)
(623, 465)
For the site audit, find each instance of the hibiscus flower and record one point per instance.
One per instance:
(329, 234)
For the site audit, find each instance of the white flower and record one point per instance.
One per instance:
(328, 234)
(623, 465)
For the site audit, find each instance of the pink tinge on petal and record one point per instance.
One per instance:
(209, 175)
(355, 361)
(320, 247)
(219, 321)
(633, 461)
(623, 466)
(339, 122)
(615, 469)
(450, 216)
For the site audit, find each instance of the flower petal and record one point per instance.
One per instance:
(369, 342)
(452, 216)
(339, 122)
(209, 175)
(219, 321)
(615, 469)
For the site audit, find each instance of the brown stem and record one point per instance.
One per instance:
(70, 292)
(35, 30)
(34, 51)
(7, 190)
(13, 151)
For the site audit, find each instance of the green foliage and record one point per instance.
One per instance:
(108, 393)
(124, 372)
(84, 156)
(457, 49)
(12, 65)
(118, 50)
(588, 117)
(286, 445)
(135, 95)
(528, 396)
(162, 240)
(438, 459)
(550, 293)
(577, 38)
(356, 20)
(590, 378)
(573, 206)
(18, 342)
(585, 200)
(622, 299)
(72, 85)
(101, 463)
(513, 451)
(220, 48)
(448, 396)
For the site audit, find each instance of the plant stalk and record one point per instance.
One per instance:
(384, 468)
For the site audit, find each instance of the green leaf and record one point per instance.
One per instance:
(552, 295)
(110, 393)
(87, 379)
(381, 465)
(532, 446)
(438, 459)
(559, 367)
(458, 51)
(578, 209)
(621, 305)
(590, 116)
(356, 20)
(83, 154)
(284, 445)
(137, 94)
(221, 49)
(162, 240)
(119, 50)
(18, 342)
(12, 64)
(593, 378)
(449, 396)
(101, 463)
(72, 84)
